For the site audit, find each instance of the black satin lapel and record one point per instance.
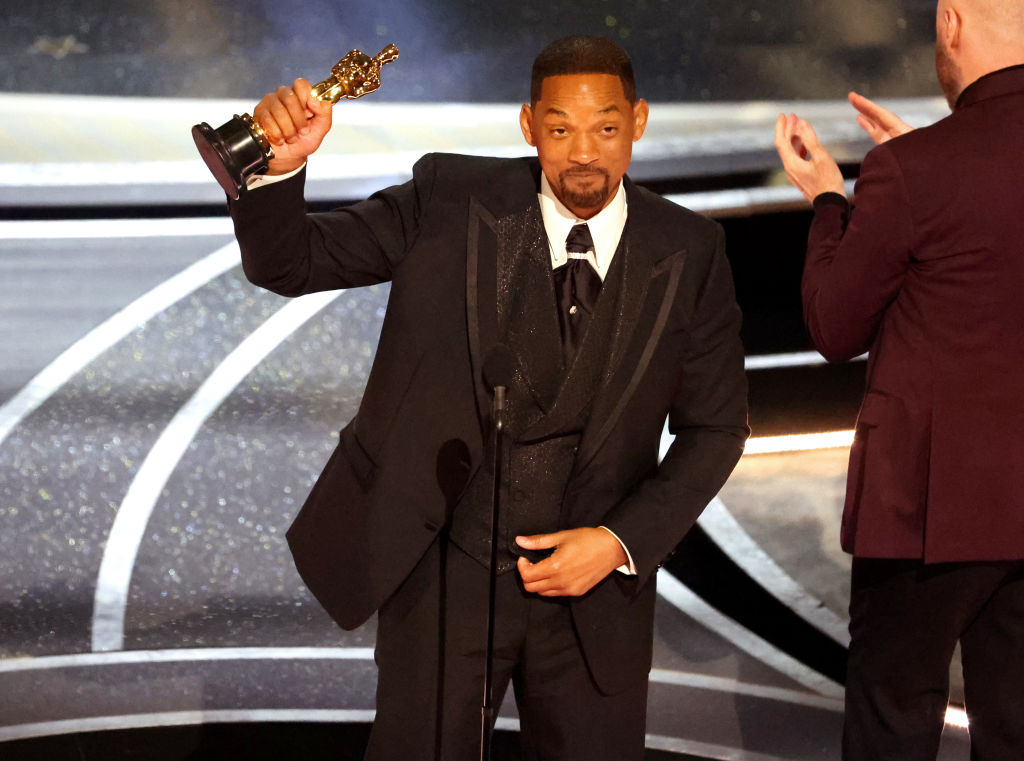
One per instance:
(481, 297)
(651, 306)
(636, 278)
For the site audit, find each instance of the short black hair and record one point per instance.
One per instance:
(580, 54)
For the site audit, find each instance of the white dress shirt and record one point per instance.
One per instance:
(606, 229)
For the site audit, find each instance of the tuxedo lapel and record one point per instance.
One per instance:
(637, 316)
(481, 298)
(650, 282)
(510, 299)
(509, 288)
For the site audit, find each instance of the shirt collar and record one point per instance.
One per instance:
(605, 227)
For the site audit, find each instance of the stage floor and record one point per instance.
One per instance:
(162, 420)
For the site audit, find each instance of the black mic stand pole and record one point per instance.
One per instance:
(489, 711)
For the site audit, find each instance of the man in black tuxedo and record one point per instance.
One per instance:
(618, 309)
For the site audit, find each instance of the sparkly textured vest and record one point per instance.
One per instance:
(536, 470)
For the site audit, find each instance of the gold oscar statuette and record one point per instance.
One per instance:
(238, 149)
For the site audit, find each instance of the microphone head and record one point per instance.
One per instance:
(499, 367)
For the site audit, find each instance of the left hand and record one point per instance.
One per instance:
(880, 123)
(582, 558)
(808, 165)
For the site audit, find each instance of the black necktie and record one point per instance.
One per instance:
(578, 285)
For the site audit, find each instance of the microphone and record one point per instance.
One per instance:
(499, 367)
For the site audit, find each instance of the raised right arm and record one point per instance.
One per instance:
(290, 252)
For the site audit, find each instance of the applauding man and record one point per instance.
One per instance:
(926, 274)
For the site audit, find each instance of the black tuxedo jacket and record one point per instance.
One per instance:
(445, 240)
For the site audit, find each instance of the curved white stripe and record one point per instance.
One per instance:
(785, 359)
(789, 359)
(133, 516)
(331, 716)
(705, 750)
(734, 687)
(954, 716)
(666, 441)
(98, 340)
(798, 442)
(184, 655)
(689, 603)
(957, 717)
(216, 716)
(220, 654)
(326, 716)
(64, 229)
(729, 535)
(745, 199)
(182, 718)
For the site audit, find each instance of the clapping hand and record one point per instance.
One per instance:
(879, 122)
(808, 165)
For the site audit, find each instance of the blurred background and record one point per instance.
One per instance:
(465, 50)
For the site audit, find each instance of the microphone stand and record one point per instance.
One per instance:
(489, 710)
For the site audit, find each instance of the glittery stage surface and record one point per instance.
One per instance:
(155, 448)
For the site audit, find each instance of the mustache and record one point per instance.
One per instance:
(583, 171)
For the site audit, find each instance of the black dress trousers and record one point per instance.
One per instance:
(430, 656)
(905, 620)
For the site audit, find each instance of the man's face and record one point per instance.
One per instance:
(583, 128)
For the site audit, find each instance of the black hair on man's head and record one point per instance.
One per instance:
(582, 55)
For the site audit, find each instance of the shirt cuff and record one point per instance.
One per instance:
(830, 198)
(262, 180)
(629, 567)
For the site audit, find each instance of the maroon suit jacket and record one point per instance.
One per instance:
(928, 274)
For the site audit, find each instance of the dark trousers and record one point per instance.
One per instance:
(430, 658)
(905, 620)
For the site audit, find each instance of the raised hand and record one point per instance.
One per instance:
(808, 165)
(295, 123)
(879, 122)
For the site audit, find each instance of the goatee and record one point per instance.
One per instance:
(583, 199)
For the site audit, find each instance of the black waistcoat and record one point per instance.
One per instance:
(544, 394)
